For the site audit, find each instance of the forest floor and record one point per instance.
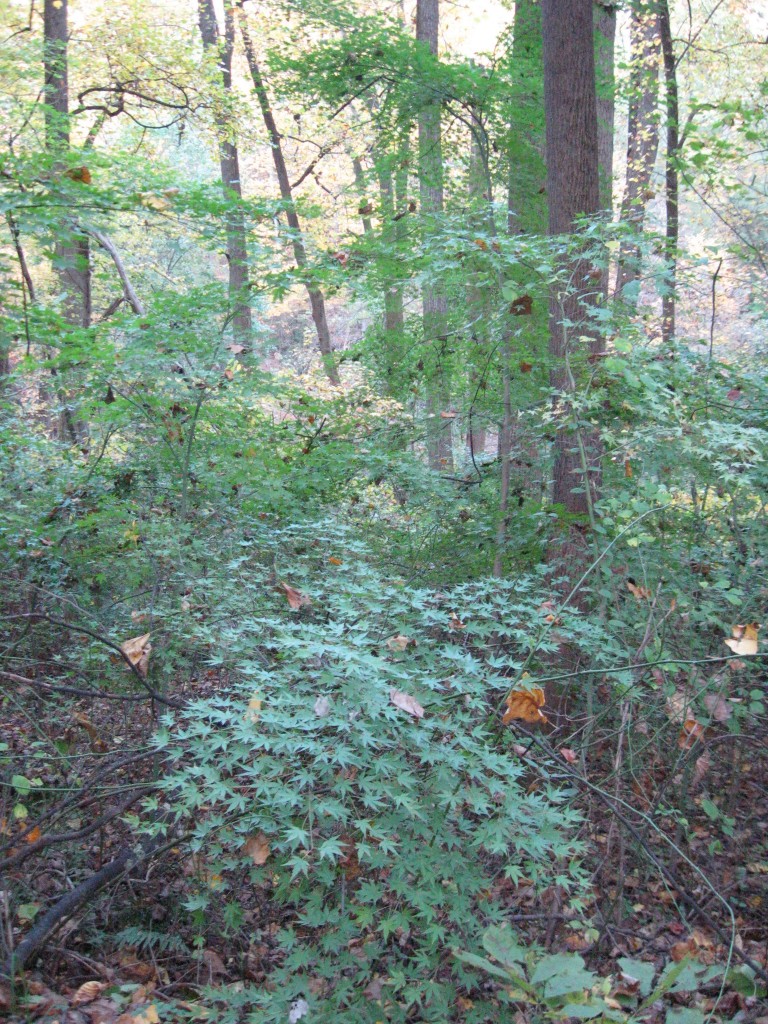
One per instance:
(705, 897)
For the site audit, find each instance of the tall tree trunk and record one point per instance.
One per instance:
(605, 36)
(573, 189)
(72, 253)
(229, 161)
(434, 306)
(642, 136)
(478, 297)
(316, 300)
(671, 177)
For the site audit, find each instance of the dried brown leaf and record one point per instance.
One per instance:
(406, 703)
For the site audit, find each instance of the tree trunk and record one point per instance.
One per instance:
(434, 306)
(671, 177)
(229, 161)
(316, 300)
(642, 137)
(573, 189)
(72, 263)
(605, 36)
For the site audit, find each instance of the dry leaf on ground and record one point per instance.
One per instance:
(525, 706)
(295, 597)
(743, 639)
(137, 651)
(258, 848)
(406, 703)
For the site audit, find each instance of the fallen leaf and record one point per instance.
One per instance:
(400, 643)
(639, 592)
(79, 174)
(87, 992)
(743, 639)
(522, 306)
(295, 597)
(322, 707)
(701, 768)
(33, 835)
(691, 732)
(525, 367)
(628, 469)
(481, 244)
(253, 713)
(258, 848)
(720, 709)
(455, 623)
(137, 651)
(525, 706)
(335, 561)
(213, 962)
(406, 703)
(568, 755)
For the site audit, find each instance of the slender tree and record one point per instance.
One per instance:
(229, 160)
(642, 135)
(434, 306)
(672, 185)
(316, 298)
(573, 190)
(72, 253)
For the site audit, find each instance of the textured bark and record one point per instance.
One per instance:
(434, 306)
(672, 185)
(72, 262)
(229, 162)
(525, 147)
(573, 189)
(316, 300)
(642, 134)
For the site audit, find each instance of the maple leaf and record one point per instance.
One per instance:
(743, 639)
(137, 651)
(406, 703)
(295, 597)
(525, 706)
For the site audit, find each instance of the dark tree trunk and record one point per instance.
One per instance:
(642, 136)
(526, 171)
(316, 300)
(72, 262)
(671, 177)
(573, 189)
(434, 306)
(229, 161)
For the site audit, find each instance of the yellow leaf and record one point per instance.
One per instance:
(137, 651)
(525, 706)
(258, 848)
(406, 703)
(335, 561)
(639, 592)
(253, 713)
(743, 639)
(400, 643)
(88, 992)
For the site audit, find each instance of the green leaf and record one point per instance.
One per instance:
(500, 942)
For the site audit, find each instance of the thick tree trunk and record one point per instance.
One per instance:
(573, 189)
(72, 262)
(642, 136)
(671, 177)
(316, 300)
(229, 162)
(434, 306)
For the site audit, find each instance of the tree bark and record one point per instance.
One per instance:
(573, 189)
(316, 299)
(72, 262)
(642, 137)
(229, 162)
(671, 177)
(434, 305)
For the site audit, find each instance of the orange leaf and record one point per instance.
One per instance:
(627, 469)
(525, 706)
(34, 835)
(640, 593)
(526, 367)
(258, 848)
(455, 623)
(295, 597)
(335, 561)
(691, 732)
(481, 244)
(743, 639)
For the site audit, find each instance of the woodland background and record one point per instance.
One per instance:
(383, 532)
